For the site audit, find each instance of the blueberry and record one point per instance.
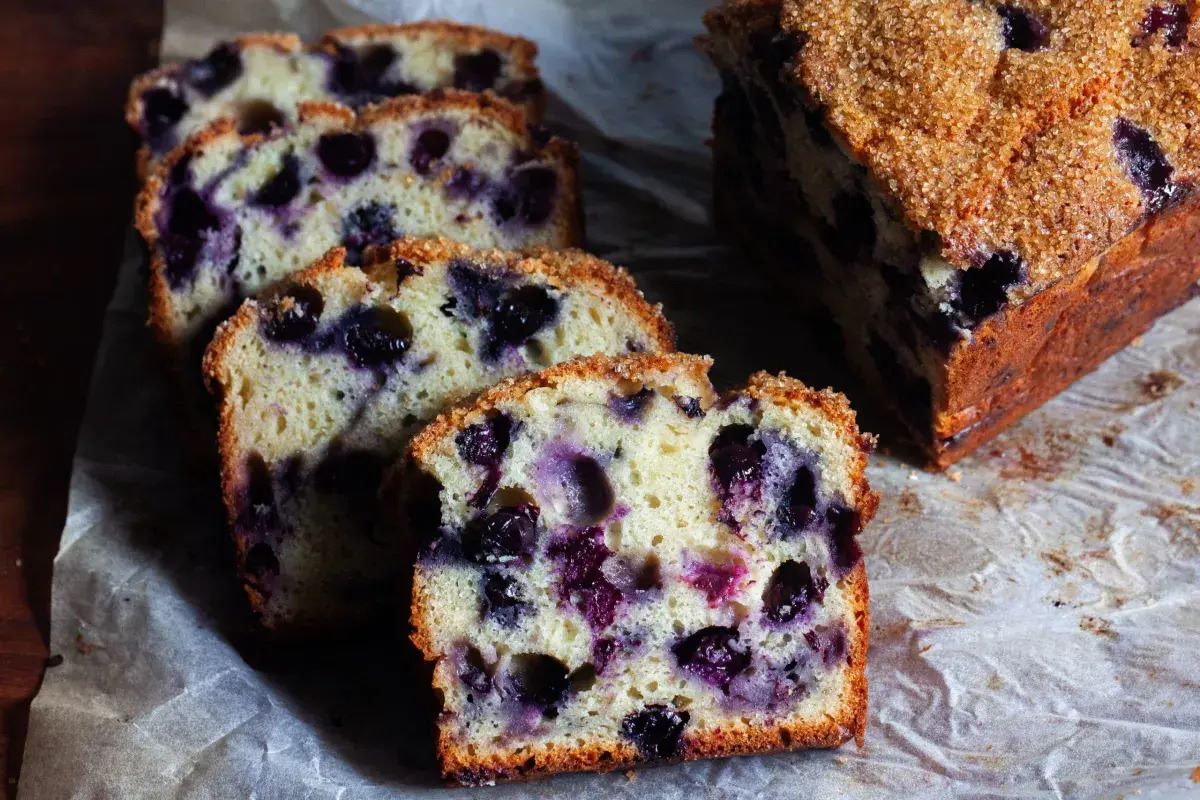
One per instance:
(377, 337)
(352, 473)
(580, 560)
(630, 407)
(690, 406)
(717, 580)
(405, 269)
(844, 525)
(293, 315)
(346, 154)
(257, 512)
(520, 313)
(1021, 29)
(735, 459)
(474, 673)
(828, 644)
(281, 187)
(261, 563)
(216, 70)
(791, 590)
(369, 224)
(430, 146)
(1170, 18)
(1145, 163)
(712, 654)
(583, 494)
(503, 536)
(466, 183)
(484, 443)
(162, 108)
(983, 290)
(799, 504)
(539, 680)
(502, 600)
(475, 292)
(361, 78)
(655, 730)
(189, 218)
(602, 653)
(477, 71)
(529, 197)
(855, 220)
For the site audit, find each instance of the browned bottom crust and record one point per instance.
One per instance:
(1027, 353)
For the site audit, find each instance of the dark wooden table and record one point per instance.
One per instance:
(66, 187)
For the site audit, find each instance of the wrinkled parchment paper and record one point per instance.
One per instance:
(1035, 614)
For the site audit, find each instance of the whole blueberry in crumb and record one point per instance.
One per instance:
(189, 220)
(580, 558)
(430, 146)
(690, 406)
(162, 108)
(529, 197)
(735, 459)
(829, 645)
(1145, 163)
(655, 730)
(602, 653)
(501, 537)
(1021, 29)
(484, 443)
(844, 526)
(791, 590)
(798, 508)
(377, 337)
(477, 71)
(293, 315)
(281, 187)
(630, 407)
(215, 71)
(983, 290)
(351, 473)
(713, 654)
(369, 224)
(540, 681)
(581, 490)
(502, 600)
(1170, 18)
(519, 314)
(346, 154)
(466, 183)
(474, 673)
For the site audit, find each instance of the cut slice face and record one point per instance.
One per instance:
(259, 79)
(227, 215)
(322, 383)
(616, 566)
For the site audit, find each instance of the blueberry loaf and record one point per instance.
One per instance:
(983, 199)
(616, 566)
(259, 79)
(226, 214)
(321, 383)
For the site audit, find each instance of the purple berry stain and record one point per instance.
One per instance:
(713, 654)
(655, 730)
(792, 591)
(718, 580)
(529, 196)
(630, 407)
(580, 556)
(829, 644)
(1146, 164)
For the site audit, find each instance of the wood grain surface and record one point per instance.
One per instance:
(66, 187)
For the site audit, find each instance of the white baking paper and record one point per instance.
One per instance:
(1035, 614)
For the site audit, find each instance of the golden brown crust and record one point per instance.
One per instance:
(466, 768)
(991, 147)
(493, 108)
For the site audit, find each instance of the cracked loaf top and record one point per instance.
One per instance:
(1043, 130)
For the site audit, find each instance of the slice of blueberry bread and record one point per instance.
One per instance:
(259, 79)
(617, 566)
(228, 214)
(321, 383)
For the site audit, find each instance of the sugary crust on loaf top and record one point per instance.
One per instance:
(992, 148)
(564, 154)
(521, 52)
(463, 767)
